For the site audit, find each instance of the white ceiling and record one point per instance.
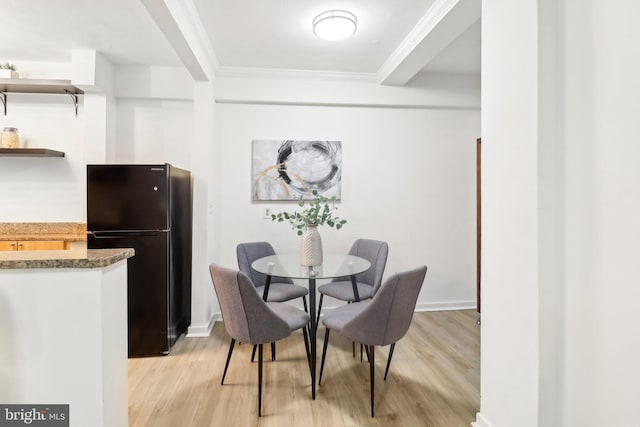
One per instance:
(273, 34)
(278, 34)
(461, 56)
(47, 30)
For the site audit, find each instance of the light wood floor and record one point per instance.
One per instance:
(434, 381)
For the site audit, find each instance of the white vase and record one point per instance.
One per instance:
(311, 247)
(8, 74)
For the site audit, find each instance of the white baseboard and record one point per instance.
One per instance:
(205, 329)
(481, 421)
(421, 307)
(446, 306)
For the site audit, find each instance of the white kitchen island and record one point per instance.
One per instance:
(63, 332)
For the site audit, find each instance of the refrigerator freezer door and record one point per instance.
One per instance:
(127, 197)
(148, 292)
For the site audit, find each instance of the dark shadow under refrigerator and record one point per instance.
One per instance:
(148, 208)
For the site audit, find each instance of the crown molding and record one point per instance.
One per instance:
(385, 106)
(248, 72)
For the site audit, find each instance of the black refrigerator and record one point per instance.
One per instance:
(148, 208)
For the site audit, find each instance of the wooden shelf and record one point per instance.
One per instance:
(38, 86)
(30, 152)
(60, 87)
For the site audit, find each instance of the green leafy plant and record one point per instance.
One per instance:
(317, 211)
(7, 66)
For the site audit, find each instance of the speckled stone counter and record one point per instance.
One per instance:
(65, 231)
(88, 258)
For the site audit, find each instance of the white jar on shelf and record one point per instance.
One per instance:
(10, 138)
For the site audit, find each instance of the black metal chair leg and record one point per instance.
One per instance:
(371, 373)
(366, 351)
(260, 380)
(273, 352)
(324, 353)
(306, 346)
(386, 371)
(304, 303)
(226, 365)
(319, 308)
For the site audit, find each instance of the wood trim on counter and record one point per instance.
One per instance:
(41, 235)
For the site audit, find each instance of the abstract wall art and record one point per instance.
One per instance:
(288, 169)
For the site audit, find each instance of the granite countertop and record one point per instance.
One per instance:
(61, 231)
(87, 258)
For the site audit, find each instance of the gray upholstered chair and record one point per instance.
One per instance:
(280, 290)
(381, 321)
(249, 319)
(368, 282)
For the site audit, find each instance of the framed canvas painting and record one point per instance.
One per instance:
(288, 169)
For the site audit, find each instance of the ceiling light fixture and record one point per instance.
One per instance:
(335, 25)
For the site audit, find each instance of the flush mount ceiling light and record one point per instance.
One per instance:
(335, 25)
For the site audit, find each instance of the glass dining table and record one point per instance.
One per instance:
(334, 265)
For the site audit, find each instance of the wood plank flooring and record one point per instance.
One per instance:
(434, 381)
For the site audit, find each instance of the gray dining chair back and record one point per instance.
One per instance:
(249, 319)
(367, 282)
(247, 253)
(374, 251)
(280, 289)
(388, 316)
(381, 321)
(246, 317)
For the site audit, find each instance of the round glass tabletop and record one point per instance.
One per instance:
(333, 265)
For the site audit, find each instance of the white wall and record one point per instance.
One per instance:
(551, 220)
(602, 212)
(162, 116)
(409, 165)
(154, 131)
(409, 172)
(509, 386)
(44, 189)
(408, 179)
(154, 115)
(559, 120)
(53, 189)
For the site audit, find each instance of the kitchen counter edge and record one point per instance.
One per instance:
(44, 237)
(91, 258)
